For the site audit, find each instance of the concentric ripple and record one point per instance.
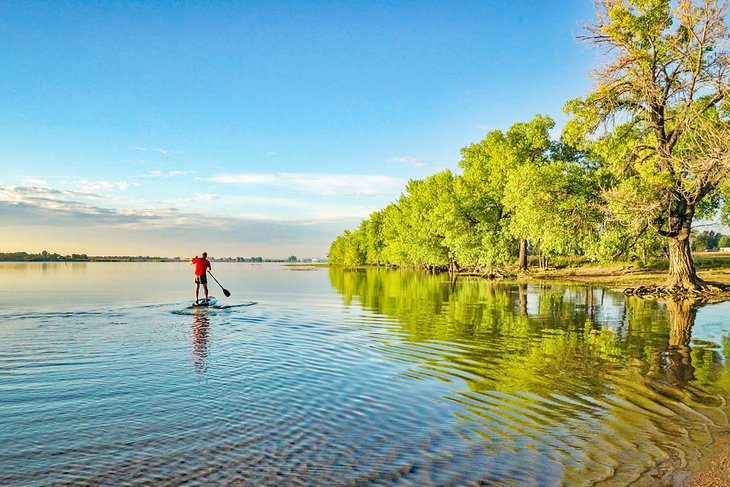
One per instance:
(341, 377)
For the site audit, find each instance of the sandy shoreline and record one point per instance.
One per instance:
(714, 467)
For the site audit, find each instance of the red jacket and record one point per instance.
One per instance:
(201, 265)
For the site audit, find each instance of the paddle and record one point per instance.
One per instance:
(225, 291)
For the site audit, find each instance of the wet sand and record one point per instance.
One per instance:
(714, 470)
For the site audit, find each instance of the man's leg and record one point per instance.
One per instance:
(205, 289)
(197, 291)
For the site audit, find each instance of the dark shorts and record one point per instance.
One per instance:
(201, 279)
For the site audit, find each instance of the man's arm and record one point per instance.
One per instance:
(192, 261)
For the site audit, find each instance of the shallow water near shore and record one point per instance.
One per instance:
(336, 376)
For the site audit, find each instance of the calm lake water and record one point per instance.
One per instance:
(348, 377)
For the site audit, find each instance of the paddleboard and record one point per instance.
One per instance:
(204, 303)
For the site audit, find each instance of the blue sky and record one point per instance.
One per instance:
(255, 128)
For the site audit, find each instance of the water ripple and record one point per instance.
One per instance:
(462, 386)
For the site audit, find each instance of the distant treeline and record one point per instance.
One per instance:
(710, 241)
(54, 257)
(641, 157)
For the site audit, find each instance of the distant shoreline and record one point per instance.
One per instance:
(55, 257)
(154, 259)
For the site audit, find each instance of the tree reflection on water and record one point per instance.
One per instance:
(587, 370)
(543, 338)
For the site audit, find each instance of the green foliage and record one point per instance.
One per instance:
(554, 205)
(349, 248)
(617, 242)
(657, 119)
(707, 240)
(642, 156)
(724, 203)
(515, 185)
(724, 241)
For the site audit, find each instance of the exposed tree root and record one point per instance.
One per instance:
(486, 273)
(497, 274)
(701, 291)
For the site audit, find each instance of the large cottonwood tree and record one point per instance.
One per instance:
(659, 112)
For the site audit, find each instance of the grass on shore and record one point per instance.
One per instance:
(711, 266)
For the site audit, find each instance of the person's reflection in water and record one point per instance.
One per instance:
(200, 335)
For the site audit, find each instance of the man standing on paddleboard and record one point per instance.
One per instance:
(201, 268)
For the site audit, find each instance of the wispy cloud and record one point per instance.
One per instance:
(157, 173)
(37, 182)
(55, 209)
(249, 178)
(297, 209)
(266, 201)
(57, 206)
(76, 205)
(358, 185)
(158, 150)
(19, 193)
(271, 153)
(89, 186)
(409, 160)
(342, 184)
(38, 216)
(206, 197)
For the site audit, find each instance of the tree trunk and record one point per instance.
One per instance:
(544, 261)
(682, 273)
(453, 269)
(522, 262)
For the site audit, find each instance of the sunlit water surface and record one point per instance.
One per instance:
(330, 376)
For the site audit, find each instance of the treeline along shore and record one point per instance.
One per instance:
(642, 157)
